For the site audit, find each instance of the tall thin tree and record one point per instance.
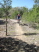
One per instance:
(6, 5)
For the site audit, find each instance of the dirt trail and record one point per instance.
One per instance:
(16, 31)
(18, 28)
(19, 31)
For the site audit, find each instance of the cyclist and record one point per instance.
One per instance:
(18, 17)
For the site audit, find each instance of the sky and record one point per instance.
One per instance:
(23, 3)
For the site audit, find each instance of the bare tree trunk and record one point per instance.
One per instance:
(6, 25)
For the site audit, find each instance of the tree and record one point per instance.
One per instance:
(6, 5)
(36, 1)
(36, 8)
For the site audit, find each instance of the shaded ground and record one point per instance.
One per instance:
(14, 45)
(2, 22)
